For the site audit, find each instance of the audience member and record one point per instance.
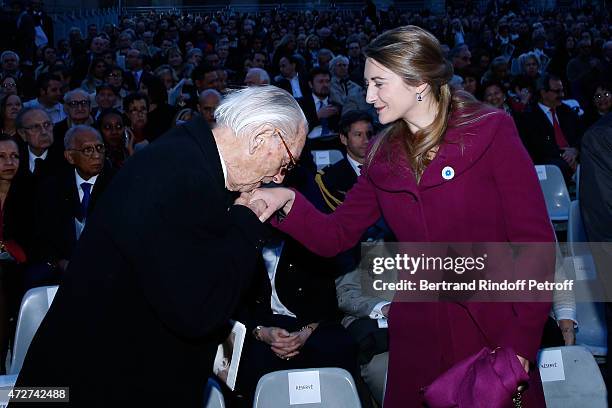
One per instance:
(49, 97)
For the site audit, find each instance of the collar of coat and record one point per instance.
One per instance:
(462, 147)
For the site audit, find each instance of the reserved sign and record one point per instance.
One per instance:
(551, 366)
(304, 388)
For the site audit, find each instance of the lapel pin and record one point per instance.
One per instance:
(448, 173)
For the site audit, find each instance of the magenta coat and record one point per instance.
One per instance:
(494, 196)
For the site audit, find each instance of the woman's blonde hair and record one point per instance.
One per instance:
(416, 56)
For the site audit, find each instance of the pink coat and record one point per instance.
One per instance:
(494, 196)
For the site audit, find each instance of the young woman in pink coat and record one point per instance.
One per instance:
(445, 169)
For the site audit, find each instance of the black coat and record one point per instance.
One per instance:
(538, 133)
(58, 204)
(596, 180)
(304, 284)
(156, 274)
(52, 165)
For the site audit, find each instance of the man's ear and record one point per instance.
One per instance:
(343, 139)
(259, 138)
(68, 157)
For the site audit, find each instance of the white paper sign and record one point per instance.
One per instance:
(541, 170)
(383, 323)
(550, 363)
(322, 158)
(304, 388)
(51, 294)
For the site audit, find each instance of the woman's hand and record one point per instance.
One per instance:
(257, 206)
(568, 331)
(276, 198)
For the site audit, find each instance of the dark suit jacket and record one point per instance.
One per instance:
(596, 180)
(538, 134)
(337, 179)
(155, 276)
(52, 165)
(304, 283)
(285, 84)
(58, 204)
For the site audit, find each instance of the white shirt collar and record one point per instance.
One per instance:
(354, 164)
(223, 167)
(317, 100)
(33, 157)
(547, 111)
(80, 180)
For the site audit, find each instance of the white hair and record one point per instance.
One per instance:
(7, 53)
(246, 110)
(69, 96)
(72, 133)
(335, 60)
(261, 74)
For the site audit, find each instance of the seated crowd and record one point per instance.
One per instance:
(72, 116)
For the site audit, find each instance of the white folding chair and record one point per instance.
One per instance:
(571, 378)
(34, 307)
(213, 397)
(555, 192)
(317, 387)
(324, 158)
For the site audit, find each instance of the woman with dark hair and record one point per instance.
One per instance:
(160, 116)
(600, 104)
(14, 234)
(10, 106)
(95, 76)
(447, 168)
(118, 139)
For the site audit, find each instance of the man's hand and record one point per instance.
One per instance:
(570, 155)
(568, 331)
(275, 199)
(257, 206)
(280, 341)
(327, 112)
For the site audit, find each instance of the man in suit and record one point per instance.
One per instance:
(64, 203)
(164, 259)
(595, 199)
(551, 131)
(336, 180)
(292, 315)
(319, 109)
(289, 78)
(41, 155)
(77, 106)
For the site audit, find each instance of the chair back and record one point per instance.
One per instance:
(571, 378)
(213, 395)
(317, 387)
(555, 192)
(34, 307)
(324, 158)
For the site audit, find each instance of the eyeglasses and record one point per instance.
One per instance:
(602, 95)
(74, 104)
(139, 111)
(9, 85)
(39, 127)
(117, 127)
(89, 150)
(113, 75)
(292, 162)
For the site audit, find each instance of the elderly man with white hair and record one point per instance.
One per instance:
(165, 258)
(257, 76)
(342, 89)
(77, 106)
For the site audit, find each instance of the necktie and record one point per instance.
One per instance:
(38, 165)
(323, 121)
(85, 201)
(559, 136)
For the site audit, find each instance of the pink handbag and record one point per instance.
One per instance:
(486, 379)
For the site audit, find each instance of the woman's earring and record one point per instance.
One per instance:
(419, 97)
